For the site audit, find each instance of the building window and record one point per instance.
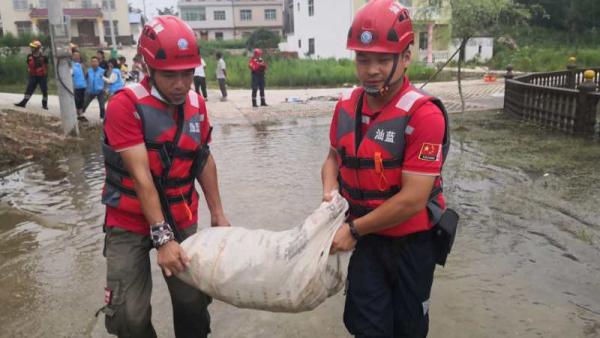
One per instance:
(193, 14)
(270, 15)
(423, 40)
(299, 43)
(246, 14)
(23, 27)
(311, 46)
(219, 15)
(311, 7)
(107, 28)
(86, 4)
(106, 3)
(43, 4)
(219, 35)
(20, 4)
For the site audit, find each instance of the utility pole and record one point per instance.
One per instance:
(60, 37)
(233, 17)
(113, 40)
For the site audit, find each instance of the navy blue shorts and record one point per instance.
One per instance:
(389, 284)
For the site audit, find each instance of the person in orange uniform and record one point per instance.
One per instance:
(155, 149)
(258, 68)
(388, 143)
(37, 67)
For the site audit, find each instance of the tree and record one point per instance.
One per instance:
(263, 38)
(472, 18)
(577, 17)
(167, 11)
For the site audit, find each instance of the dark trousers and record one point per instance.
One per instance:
(129, 279)
(89, 97)
(258, 83)
(223, 87)
(33, 82)
(79, 98)
(200, 84)
(389, 284)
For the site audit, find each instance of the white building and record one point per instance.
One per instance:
(318, 28)
(231, 19)
(136, 23)
(480, 49)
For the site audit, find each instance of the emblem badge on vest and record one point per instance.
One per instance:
(385, 136)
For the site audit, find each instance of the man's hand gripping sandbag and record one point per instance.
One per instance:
(286, 271)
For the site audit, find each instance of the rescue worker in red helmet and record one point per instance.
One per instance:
(388, 143)
(155, 148)
(258, 68)
(37, 67)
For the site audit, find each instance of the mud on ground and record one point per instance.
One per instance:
(26, 137)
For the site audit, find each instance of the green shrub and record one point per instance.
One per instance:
(263, 38)
(543, 59)
(23, 40)
(285, 72)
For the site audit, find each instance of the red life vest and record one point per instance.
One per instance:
(176, 157)
(257, 65)
(37, 65)
(373, 174)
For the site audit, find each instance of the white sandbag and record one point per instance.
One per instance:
(285, 271)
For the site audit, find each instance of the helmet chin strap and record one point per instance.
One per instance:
(377, 92)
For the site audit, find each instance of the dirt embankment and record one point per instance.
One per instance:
(28, 137)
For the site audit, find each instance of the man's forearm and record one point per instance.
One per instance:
(329, 173)
(149, 201)
(210, 187)
(395, 210)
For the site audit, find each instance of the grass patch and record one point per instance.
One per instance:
(515, 143)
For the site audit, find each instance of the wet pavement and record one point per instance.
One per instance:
(526, 260)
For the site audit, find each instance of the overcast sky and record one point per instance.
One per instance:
(152, 5)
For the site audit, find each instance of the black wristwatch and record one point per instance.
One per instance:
(353, 230)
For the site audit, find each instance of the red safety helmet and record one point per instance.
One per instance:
(257, 52)
(168, 43)
(381, 26)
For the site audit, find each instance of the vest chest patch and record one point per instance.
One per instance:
(387, 136)
(194, 127)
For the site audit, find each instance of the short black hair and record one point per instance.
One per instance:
(219, 55)
(114, 63)
(94, 57)
(100, 51)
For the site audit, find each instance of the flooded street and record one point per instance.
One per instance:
(526, 261)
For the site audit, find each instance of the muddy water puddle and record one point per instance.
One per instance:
(526, 261)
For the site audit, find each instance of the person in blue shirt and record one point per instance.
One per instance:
(113, 77)
(79, 83)
(95, 85)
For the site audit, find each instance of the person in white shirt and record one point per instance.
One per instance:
(200, 79)
(222, 75)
